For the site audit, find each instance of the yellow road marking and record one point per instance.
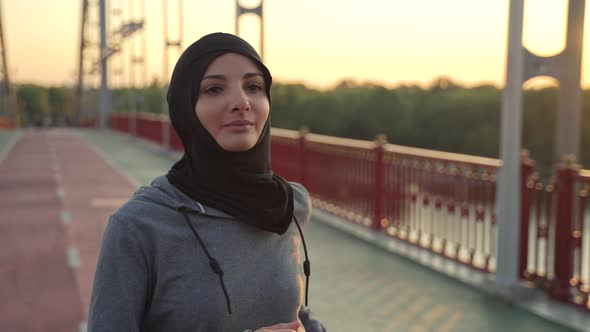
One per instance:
(425, 323)
(452, 322)
(410, 313)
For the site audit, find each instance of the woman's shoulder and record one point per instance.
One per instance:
(147, 207)
(302, 202)
(300, 194)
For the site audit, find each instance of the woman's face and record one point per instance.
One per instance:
(232, 103)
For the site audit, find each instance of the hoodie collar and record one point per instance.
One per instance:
(168, 195)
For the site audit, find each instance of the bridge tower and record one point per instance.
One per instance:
(168, 44)
(521, 66)
(258, 11)
(110, 43)
(9, 92)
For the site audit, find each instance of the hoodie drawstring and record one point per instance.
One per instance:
(216, 268)
(212, 261)
(306, 263)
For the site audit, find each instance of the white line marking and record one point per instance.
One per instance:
(60, 192)
(64, 217)
(83, 326)
(73, 258)
(109, 161)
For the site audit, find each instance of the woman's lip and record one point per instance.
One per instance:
(239, 123)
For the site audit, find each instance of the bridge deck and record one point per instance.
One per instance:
(81, 176)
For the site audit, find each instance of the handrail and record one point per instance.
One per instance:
(391, 148)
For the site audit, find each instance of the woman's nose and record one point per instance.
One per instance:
(240, 101)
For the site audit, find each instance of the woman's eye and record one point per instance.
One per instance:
(213, 90)
(254, 87)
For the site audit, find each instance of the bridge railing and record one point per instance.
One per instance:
(442, 202)
(5, 123)
(556, 226)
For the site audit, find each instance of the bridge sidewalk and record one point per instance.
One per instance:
(356, 286)
(58, 187)
(56, 196)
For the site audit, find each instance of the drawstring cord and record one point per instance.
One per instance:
(212, 261)
(216, 268)
(306, 263)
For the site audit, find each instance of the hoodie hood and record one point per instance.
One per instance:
(162, 192)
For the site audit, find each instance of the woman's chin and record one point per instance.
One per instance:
(237, 146)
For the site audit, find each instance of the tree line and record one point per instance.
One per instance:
(444, 116)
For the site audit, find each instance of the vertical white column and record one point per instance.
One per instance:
(570, 92)
(508, 190)
(105, 96)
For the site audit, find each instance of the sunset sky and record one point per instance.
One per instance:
(318, 42)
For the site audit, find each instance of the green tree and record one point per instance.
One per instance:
(33, 103)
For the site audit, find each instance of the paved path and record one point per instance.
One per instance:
(56, 195)
(37, 288)
(58, 187)
(356, 286)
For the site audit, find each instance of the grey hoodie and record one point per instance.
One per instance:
(154, 275)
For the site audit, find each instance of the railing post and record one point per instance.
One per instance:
(564, 244)
(379, 186)
(526, 170)
(303, 132)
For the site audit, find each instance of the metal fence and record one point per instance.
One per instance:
(441, 202)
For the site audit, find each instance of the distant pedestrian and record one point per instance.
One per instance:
(214, 245)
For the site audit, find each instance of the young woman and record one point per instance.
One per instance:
(215, 244)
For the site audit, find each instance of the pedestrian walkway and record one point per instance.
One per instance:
(45, 284)
(356, 286)
(56, 195)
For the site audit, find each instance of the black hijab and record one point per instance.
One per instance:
(240, 184)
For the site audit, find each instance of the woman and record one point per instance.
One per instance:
(215, 244)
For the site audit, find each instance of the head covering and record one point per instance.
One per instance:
(240, 184)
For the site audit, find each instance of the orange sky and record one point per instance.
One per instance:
(318, 42)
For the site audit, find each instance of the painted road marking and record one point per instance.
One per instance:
(405, 296)
(73, 258)
(110, 162)
(64, 217)
(384, 294)
(411, 312)
(426, 322)
(83, 326)
(60, 192)
(451, 323)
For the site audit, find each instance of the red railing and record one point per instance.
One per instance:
(148, 126)
(6, 123)
(558, 216)
(442, 202)
(580, 235)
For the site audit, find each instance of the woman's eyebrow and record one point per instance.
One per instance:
(249, 75)
(220, 77)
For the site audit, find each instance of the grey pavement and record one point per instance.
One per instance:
(356, 286)
(7, 138)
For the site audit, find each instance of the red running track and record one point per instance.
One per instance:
(56, 194)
